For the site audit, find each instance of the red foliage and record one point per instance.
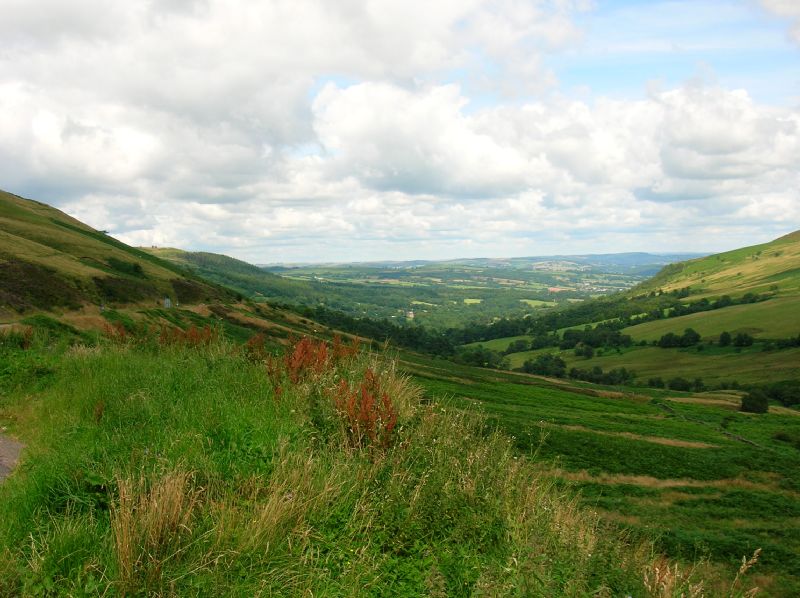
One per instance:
(368, 412)
(306, 358)
(342, 351)
(307, 355)
(254, 349)
(191, 337)
(115, 332)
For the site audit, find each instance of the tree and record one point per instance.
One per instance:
(517, 346)
(690, 337)
(755, 401)
(548, 364)
(725, 339)
(669, 340)
(742, 340)
(679, 383)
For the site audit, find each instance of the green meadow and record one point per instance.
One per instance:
(775, 318)
(689, 470)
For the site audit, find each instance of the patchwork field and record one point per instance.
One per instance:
(714, 364)
(689, 469)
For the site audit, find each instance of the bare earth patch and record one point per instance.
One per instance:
(722, 403)
(632, 436)
(651, 482)
(9, 455)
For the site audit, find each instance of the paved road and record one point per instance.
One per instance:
(9, 453)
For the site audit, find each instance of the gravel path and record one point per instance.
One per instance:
(9, 453)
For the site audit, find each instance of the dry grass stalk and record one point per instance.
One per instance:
(147, 523)
(667, 581)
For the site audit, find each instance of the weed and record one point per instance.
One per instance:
(368, 412)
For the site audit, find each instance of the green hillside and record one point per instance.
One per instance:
(750, 297)
(49, 260)
(241, 276)
(774, 318)
(772, 267)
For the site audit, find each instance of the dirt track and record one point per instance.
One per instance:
(9, 453)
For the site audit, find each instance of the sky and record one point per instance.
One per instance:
(355, 130)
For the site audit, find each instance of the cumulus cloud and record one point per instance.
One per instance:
(789, 9)
(304, 129)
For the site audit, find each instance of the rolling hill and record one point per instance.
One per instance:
(752, 293)
(49, 260)
(772, 267)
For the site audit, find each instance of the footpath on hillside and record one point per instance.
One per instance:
(9, 454)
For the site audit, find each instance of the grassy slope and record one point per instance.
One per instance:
(180, 471)
(524, 406)
(750, 269)
(51, 249)
(775, 318)
(656, 464)
(750, 365)
(772, 268)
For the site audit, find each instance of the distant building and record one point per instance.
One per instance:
(410, 314)
(167, 303)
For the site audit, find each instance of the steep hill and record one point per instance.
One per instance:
(49, 260)
(770, 271)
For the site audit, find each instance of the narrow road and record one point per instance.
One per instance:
(9, 453)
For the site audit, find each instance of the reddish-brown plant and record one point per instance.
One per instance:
(368, 412)
(255, 348)
(115, 332)
(191, 337)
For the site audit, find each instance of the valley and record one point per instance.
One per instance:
(435, 294)
(155, 394)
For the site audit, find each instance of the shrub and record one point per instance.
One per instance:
(755, 401)
(367, 411)
(679, 383)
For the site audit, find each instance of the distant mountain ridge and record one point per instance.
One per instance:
(628, 259)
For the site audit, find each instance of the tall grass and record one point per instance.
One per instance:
(195, 467)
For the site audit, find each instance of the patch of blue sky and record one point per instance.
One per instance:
(628, 43)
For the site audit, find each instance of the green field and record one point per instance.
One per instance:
(499, 344)
(750, 365)
(775, 318)
(538, 303)
(656, 463)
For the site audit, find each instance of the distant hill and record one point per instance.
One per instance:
(49, 260)
(245, 278)
(751, 294)
(770, 267)
(638, 263)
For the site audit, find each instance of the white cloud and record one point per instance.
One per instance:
(789, 9)
(307, 128)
